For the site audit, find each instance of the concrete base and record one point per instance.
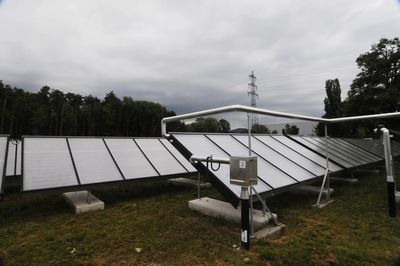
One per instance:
(323, 204)
(397, 195)
(271, 232)
(312, 190)
(334, 179)
(186, 182)
(222, 209)
(78, 200)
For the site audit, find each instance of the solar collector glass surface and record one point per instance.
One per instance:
(372, 145)
(199, 145)
(185, 163)
(47, 164)
(367, 156)
(289, 153)
(93, 161)
(339, 149)
(131, 161)
(290, 168)
(160, 157)
(320, 160)
(348, 154)
(334, 150)
(267, 172)
(333, 156)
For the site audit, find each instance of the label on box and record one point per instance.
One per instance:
(242, 164)
(244, 236)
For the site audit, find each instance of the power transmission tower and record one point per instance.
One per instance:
(252, 92)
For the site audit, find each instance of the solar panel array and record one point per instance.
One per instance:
(3, 154)
(340, 151)
(283, 161)
(14, 157)
(53, 162)
(374, 146)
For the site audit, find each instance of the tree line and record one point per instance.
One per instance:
(374, 90)
(53, 112)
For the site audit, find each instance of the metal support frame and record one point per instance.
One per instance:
(325, 182)
(89, 197)
(264, 207)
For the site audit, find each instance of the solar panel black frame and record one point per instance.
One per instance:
(88, 186)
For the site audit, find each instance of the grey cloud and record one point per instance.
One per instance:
(191, 55)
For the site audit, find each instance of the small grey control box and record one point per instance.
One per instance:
(243, 171)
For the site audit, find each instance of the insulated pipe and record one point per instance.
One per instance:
(391, 186)
(243, 108)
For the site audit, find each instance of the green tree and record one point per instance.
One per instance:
(376, 88)
(291, 129)
(260, 129)
(333, 108)
(223, 126)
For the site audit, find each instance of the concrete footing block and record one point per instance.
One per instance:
(312, 190)
(222, 209)
(271, 232)
(83, 201)
(186, 182)
(335, 179)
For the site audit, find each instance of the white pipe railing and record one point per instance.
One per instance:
(261, 111)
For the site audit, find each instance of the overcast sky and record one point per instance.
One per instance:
(192, 55)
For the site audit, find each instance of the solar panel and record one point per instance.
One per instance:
(52, 162)
(159, 156)
(352, 149)
(345, 153)
(93, 161)
(334, 150)
(267, 172)
(286, 165)
(3, 153)
(200, 145)
(279, 167)
(14, 155)
(292, 155)
(337, 158)
(374, 146)
(300, 149)
(185, 163)
(47, 164)
(132, 162)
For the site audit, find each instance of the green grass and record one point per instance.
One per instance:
(39, 229)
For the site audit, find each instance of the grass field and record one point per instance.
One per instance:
(39, 229)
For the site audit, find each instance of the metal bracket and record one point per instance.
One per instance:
(264, 206)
